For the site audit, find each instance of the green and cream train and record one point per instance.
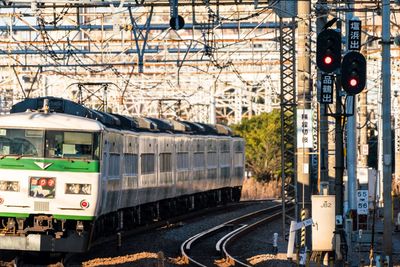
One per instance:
(69, 174)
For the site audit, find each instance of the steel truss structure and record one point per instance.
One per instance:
(288, 122)
(228, 49)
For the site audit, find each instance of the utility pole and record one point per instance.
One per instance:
(386, 132)
(304, 103)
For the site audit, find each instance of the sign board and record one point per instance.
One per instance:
(362, 175)
(304, 128)
(354, 35)
(302, 224)
(323, 228)
(326, 96)
(362, 202)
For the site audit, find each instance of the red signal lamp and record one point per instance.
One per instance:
(328, 60)
(353, 82)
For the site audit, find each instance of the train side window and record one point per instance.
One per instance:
(182, 161)
(165, 162)
(130, 164)
(147, 163)
(198, 160)
(212, 160)
(113, 167)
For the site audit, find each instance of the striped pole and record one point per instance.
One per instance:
(303, 247)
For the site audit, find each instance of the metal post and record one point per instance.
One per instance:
(321, 10)
(339, 166)
(386, 132)
(351, 141)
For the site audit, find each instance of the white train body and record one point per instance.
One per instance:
(65, 179)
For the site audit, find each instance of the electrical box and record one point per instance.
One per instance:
(323, 215)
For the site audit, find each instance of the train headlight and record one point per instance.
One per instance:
(10, 186)
(78, 189)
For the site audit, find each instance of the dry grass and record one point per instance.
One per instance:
(253, 190)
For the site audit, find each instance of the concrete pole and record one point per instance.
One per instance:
(304, 102)
(396, 108)
(386, 132)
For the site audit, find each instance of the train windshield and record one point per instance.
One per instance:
(49, 144)
(21, 142)
(61, 144)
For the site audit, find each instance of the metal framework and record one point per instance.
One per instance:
(288, 120)
(230, 50)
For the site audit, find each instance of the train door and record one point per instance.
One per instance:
(238, 162)
(165, 174)
(147, 168)
(199, 164)
(114, 171)
(182, 171)
(212, 163)
(225, 162)
(130, 182)
(104, 171)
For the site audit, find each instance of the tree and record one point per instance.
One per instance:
(263, 144)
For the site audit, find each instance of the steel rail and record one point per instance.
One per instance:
(186, 245)
(243, 231)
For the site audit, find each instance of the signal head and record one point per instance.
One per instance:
(354, 72)
(329, 50)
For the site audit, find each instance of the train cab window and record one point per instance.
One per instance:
(20, 142)
(60, 144)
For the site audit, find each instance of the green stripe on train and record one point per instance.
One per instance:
(73, 217)
(55, 216)
(71, 165)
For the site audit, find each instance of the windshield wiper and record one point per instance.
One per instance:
(7, 155)
(24, 155)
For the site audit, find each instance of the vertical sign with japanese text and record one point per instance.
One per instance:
(326, 89)
(304, 128)
(354, 35)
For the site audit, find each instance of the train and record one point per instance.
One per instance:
(70, 174)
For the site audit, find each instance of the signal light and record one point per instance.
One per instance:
(353, 82)
(329, 50)
(354, 72)
(328, 60)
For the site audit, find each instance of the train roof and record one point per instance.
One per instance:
(138, 124)
(40, 120)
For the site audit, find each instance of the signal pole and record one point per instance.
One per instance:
(386, 132)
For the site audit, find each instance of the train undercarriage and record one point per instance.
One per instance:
(41, 232)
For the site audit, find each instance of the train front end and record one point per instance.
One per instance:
(49, 178)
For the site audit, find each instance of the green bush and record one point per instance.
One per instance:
(263, 145)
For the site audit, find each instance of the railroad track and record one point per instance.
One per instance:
(211, 246)
(114, 241)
